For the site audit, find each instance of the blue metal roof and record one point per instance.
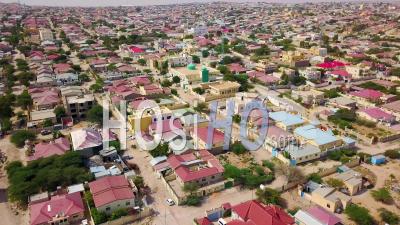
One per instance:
(286, 118)
(310, 132)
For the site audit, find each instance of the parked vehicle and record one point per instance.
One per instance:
(170, 202)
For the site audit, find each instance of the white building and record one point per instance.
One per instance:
(46, 34)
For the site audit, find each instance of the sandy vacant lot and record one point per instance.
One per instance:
(8, 216)
(382, 173)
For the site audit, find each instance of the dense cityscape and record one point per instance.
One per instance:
(258, 114)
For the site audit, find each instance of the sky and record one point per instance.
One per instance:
(87, 3)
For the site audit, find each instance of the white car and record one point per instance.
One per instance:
(170, 202)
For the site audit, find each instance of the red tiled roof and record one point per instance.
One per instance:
(368, 94)
(202, 133)
(203, 221)
(109, 189)
(69, 205)
(135, 49)
(178, 164)
(43, 150)
(254, 212)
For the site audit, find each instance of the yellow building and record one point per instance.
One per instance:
(218, 90)
(147, 118)
(326, 197)
(192, 73)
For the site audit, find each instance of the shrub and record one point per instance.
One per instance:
(193, 200)
(238, 148)
(19, 137)
(270, 165)
(315, 177)
(382, 195)
(388, 216)
(268, 196)
(359, 215)
(98, 217)
(393, 154)
(119, 213)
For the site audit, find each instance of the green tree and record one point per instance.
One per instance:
(5, 106)
(201, 107)
(268, 196)
(138, 181)
(19, 137)
(236, 118)
(47, 123)
(25, 77)
(238, 148)
(166, 83)
(205, 53)
(45, 174)
(24, 100)
(176, 79)
(382, 195)
(95, 114)
(160, 150)
(359, 215)
(96, 87)
(83, 77)
(60, 112)
(195, 59)
(199, 90)
(6, 124)
(142, 62)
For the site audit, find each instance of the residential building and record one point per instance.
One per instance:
(324, 140)
(343, 103)
(352, 180)
(36, 118)
(179, 61)
(200, 137)
(57, 147)
(59, 209)
(326, 197)
(218, 90)
(46, 34)
(376, 115)
(78, 106)
(310, 74)
(199, 167)
(309, 97)
(111, 193)
(285, 120)
(316, 216)
(88, 141)
(254, 212)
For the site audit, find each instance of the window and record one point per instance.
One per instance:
(108, 208)
(212, 177)
(327, 205)
(128, 203)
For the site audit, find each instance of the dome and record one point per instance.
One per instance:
(191, 66)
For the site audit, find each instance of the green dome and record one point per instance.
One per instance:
(191, 66)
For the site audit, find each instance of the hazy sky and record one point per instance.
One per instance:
(134, 2)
